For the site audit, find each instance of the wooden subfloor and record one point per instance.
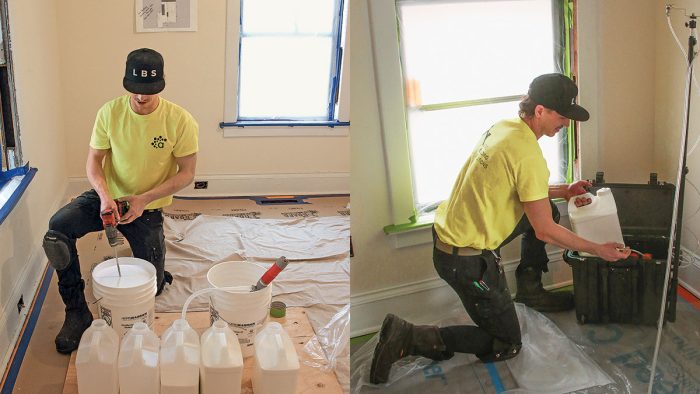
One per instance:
(44, 370)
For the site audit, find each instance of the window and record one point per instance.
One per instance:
(289, 60)
(9, 138)
(14, 178)
(459, 66)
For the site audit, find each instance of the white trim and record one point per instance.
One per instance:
(430, 300)
(252, 185)
(392, 115)
(286, 131)
(689, 276)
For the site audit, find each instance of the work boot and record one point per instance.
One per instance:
(167, 278)
(398, 339)
(531, 293)
(78, 319)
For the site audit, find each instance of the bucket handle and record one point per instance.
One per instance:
(238, 289)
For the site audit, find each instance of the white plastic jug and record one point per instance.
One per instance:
(246, 311)
(221, 370)
(96, 361)
(179, 359)
(139, 370)
(597, 221)
(276, 369)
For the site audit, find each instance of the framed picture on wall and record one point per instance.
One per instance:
(165, 15)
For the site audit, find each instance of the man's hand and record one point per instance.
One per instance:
(109, 204)
(577, 188)
(137, 204)
(612, 251)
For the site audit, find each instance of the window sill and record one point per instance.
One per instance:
(419, 233)
(13, 184)
(284, 128)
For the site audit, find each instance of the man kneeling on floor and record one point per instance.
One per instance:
(149, 149)
(501, 192)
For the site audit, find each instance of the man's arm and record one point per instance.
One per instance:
(539, 213)
(185, 175)
(566, 191)
(96, 176)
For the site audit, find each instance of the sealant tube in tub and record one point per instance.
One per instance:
(96, 361)
(276, 369)
(179, 359)
(139, 369)
(271, 273)
(221, 369)
(598, 221)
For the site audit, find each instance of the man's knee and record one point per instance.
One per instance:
(58, 249)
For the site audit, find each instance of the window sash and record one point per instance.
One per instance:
(334, 69)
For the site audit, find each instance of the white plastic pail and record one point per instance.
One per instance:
(598, 221)
(126, 299)
(245, 312)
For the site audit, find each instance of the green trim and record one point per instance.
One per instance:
(469, 103)
(361, 340)
(413, 224)
(571, 130)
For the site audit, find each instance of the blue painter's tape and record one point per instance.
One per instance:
(495, 378)
(26, 336)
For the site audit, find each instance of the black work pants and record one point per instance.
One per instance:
(480, 283)
(82, 216)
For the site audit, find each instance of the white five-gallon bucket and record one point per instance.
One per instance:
(126, 299)
(245, 312)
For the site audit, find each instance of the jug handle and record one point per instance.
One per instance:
(572, 203)
(283, 348)
(94, 342)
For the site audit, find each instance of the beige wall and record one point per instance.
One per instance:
(617, 66)
(35, 46)
(670, 113)
(617, 81)
(96, 36)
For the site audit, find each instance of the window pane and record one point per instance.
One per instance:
(285, 77)
(285, 16)
(475, 49)
(442, 140)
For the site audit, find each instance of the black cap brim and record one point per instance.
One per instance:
(576, 112)
(144, 88)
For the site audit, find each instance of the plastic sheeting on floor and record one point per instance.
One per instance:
(318, 250)
(549, 363)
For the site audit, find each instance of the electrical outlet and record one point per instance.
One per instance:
(20, 304)
(201, 184)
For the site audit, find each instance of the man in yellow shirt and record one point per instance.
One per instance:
(501, 192)
(143, 149)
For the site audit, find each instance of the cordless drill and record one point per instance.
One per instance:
(109, 222)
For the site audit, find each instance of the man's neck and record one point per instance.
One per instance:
(530, 122)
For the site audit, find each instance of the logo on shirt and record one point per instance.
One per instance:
(158, 142)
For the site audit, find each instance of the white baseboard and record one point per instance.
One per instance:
(689, 275)
(254, 185)
(431, 300)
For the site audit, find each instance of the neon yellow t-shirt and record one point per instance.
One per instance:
(505, 169)
(142, 148)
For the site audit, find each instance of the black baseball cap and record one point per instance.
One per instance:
(144, 72)
(558, 92)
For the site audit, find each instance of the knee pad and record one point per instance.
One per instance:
(57, 249)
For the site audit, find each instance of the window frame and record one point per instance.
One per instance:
(337, 117)
(8, 104)
(393, 115)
